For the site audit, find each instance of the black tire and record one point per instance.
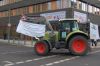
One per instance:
(41, 48)
(78, 45)
(49, 44)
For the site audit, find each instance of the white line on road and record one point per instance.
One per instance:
(13, 52)
(67, 59)
(94, 52)
(44, 57)
(60, 61)
(95, 47)
(28, 60)
(19, 62)
(49, 64)
(27, 51)
(8, 63)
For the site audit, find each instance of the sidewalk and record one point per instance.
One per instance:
(19, 42)
(31, 43)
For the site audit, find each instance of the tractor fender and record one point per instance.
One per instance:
(48, 43)
(75, 33)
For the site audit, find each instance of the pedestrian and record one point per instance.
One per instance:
(94, 42)
(5, 36)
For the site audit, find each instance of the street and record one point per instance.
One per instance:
(12, 55)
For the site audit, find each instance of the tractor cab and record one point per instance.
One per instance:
(67, 26)
(64, 27)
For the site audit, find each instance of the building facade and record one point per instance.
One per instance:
(11, 11)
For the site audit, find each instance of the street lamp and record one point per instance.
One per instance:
(9, 27)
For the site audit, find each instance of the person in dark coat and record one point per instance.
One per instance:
(5, 36)
(94, 42)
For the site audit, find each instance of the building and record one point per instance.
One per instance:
(11, 11)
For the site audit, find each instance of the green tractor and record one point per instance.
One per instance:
(63, 33)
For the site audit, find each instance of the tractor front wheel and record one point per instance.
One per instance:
(41, 48)
(78, 45)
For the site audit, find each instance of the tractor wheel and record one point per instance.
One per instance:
(79, 45)
(41, 48)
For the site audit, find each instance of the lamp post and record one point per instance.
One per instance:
(9, 27)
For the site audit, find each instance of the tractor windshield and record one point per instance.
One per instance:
(70, 25)
(55, 25)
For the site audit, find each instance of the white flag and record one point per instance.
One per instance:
(31, 29)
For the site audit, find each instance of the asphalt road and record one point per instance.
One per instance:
(11, 55)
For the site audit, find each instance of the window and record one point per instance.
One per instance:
(53, 5)
(54, 24)
(40, 7)
(30, 9)
(45, 7)
(25, 10)
(97, 11)
(21, 11)
(5, 2)
(84, 7)
(74, 3)
(66, 3)
(73, 0)
(13, 12)
(80, 5)
(59, 4)
(49, 5)
(90, 8)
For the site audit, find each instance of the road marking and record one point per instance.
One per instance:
(19, 62)
(44, 57)
(94, 52)
(13, 52)
(60, 61)
(28, 60)
(95, 47)
(49, 64)
(68, 59)
(8, 63)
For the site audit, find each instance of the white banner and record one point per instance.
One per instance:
(31, 29)
(54, 15)
(80, 16)
(94, 32)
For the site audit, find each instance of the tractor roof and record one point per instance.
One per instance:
(67, 19)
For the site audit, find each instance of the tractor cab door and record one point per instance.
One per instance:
(66, 27)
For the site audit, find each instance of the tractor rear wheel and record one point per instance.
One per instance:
(79, 45)
(41, 48)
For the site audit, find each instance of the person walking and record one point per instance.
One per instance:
(94, 42)
(5, 36)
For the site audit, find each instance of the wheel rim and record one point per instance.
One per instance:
(79, 45)
(40, 48)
